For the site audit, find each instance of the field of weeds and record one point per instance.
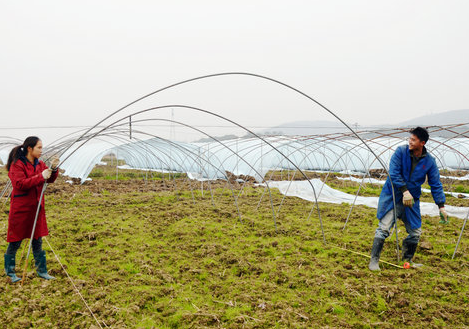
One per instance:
(169, 254)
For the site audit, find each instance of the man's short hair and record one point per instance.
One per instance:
(421, 134)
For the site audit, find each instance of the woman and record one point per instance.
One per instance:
(28, 175)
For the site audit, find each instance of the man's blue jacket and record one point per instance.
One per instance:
(399, 172)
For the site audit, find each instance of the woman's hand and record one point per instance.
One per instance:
(46, 174)
(54, 163)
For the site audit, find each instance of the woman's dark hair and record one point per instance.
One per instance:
(21, 150)
(421, 134)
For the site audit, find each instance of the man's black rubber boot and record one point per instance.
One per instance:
(408, 252)
(378, 244)
(10, 268)
(41, 268)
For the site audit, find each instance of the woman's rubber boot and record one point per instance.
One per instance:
(10, 268)
(408, 251)
(378, 244)
(41, 268)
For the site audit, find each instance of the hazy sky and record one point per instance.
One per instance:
(72, 63)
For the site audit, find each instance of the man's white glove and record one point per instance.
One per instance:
(408, 199)
(46, 174)
(54, 163)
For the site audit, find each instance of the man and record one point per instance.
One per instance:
(409, 167)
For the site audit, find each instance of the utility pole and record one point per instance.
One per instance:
(130, 127)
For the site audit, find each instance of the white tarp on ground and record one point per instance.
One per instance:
(369, 180)
(324, 193)
(456, 178)
(366, 180)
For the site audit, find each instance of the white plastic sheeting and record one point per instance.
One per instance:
(84, 159)
(324, 193)
(4, 155)
(456, 178)
(256, 157)
(154, 154)
(366, 180)
(370, 180)
(304, 153)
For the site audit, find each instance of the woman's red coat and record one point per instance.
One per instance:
(27, 184)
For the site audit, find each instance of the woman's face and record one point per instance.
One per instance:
(36, 152)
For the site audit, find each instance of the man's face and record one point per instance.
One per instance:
(415, 143)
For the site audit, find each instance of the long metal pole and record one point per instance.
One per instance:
(460, 236)
(32, 233)
(256, 76)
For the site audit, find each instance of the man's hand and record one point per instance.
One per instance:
(46, 173)
(54, 163)
(408, 199)
(443, 216)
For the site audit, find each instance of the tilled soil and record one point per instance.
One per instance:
(170, 254)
